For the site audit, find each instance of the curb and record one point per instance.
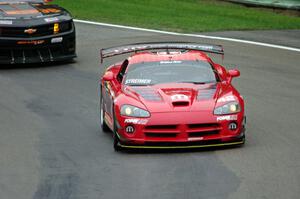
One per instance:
(279, 4)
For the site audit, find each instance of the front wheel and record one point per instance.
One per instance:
(117, 147)
(104, 126)
(116, 139)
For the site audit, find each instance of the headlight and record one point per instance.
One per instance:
(133, 111)
(56, 28)
(230, 108)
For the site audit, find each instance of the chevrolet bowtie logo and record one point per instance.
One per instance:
(30, 31)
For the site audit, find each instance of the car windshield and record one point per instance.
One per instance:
(149, 73)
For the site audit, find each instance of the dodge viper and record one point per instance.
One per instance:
(33, 31)
(170, 95)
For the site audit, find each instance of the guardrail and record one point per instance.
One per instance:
(283, 4)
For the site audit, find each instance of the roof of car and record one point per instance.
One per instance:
(192, 55)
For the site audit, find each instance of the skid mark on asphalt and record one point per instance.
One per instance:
(59, 186)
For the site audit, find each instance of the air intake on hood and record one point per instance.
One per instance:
(182, 103)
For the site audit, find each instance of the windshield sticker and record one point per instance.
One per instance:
(5, 22)
(227, 118)
(170, 62)
(227, 99)
(53, 19)
(138, 81)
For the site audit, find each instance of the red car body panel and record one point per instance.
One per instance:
(187, 122)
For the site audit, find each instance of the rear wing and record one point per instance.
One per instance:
(119, 50)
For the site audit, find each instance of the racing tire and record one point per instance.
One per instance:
(116, 140)
(104, 126)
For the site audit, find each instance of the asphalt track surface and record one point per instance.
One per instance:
(51, 146)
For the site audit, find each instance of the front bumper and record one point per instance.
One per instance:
(188, 132)
(57, 47)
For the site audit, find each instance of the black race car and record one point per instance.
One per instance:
(32, 31)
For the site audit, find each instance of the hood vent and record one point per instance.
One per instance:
(205, 94)
(148, 94)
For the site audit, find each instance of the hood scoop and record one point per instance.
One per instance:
(179, 100)
(180, 104)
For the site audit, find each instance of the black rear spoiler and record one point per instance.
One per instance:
(129, 48)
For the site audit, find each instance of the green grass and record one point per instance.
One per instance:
(179, 15)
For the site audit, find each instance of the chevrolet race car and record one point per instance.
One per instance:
(170, 95)
(32, 31)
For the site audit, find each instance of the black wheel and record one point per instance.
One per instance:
(243, 139)
(116, 139)
(104, 126)
(117, 147)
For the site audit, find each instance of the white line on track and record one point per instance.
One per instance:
(190, 35)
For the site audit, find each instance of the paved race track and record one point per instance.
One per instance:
(51, 146)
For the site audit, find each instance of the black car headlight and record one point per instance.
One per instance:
(229, 108)
(132, 111)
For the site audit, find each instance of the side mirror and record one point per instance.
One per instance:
(108, 76)
(233, 73)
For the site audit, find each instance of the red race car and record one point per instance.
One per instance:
(170, 95)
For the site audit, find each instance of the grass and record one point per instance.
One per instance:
(179, 15)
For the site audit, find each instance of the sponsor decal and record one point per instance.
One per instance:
(129, 129)
(194, 139)
(228, 98)
(49, 10)
(56, 40)
(138, 81)
(227, 118)
(52, 19)
(34, 42)
(232, 126)
(30, 31)
(6, 22)
(179, 97)
(136, 121)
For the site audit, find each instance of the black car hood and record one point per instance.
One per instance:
(16, 14)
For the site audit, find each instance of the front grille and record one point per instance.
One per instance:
(37, 54)
(191, 130)
(161, 127)
(42, 54)
(194, 143)
(43, 30)
(203, 125)
(161, 135)
(203, 129)
(203, 133)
